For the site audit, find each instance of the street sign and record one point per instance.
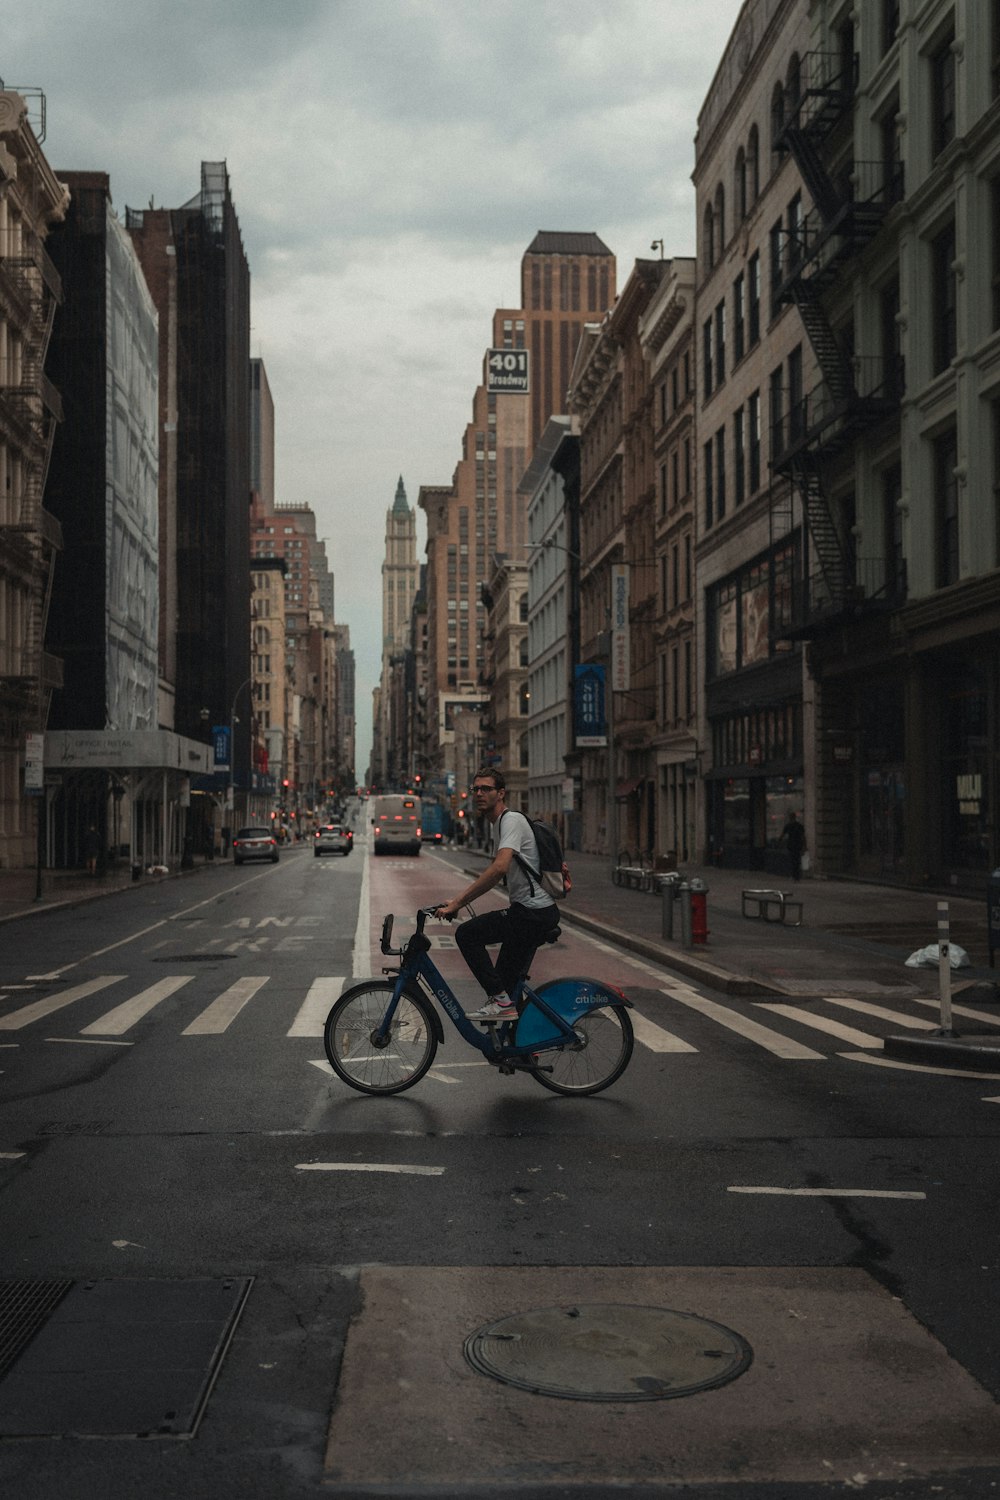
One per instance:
(220, 740)
(590, 724)
(34, 764)
(507, 372)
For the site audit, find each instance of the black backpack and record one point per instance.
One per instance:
(553, 875)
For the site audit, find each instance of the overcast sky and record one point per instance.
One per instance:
(390, 161)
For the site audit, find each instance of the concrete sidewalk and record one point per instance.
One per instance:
(853, 941)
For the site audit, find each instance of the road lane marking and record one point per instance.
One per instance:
(370, 1166)
(362, 960)
(87, 1041)
(225, 1008)
(12, 1155)
(823, 1023)
(783, 1192)
(905, 1067)
(771, 1041)
(312, 1014)
(866, 1008)
(52, 1003)
(657, 1038)
(122, 1017)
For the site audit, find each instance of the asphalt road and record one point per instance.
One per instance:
(167, 1115)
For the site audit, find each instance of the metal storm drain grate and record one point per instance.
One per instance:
(113, 1358)
(24, 1307)
(608, 1352)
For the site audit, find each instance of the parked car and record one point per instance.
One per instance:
(333, 838)
(255, 843)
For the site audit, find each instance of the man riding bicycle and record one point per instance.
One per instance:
(518, 928)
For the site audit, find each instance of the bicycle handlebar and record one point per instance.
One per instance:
(423, 913)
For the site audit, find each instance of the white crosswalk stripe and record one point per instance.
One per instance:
(51, 1003)
(772, 1041)
(895, 1017)
(316, 1007)
(843, 1033)
(223, 1011)
(119, 1020)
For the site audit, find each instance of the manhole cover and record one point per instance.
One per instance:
(608, 1352)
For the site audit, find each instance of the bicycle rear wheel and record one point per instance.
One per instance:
(600, 1055)
(376, 1065)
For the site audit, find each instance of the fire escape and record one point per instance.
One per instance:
(30, 536)
(809, 433)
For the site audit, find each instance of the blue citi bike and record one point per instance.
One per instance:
(573, 1035)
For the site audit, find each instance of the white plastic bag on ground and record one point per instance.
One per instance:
(930, 957)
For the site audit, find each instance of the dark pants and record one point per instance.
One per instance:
(518, 930)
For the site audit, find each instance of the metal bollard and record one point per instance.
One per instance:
(668, 893)
(684, 898)
(699, 911)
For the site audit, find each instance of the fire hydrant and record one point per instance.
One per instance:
(699, 911)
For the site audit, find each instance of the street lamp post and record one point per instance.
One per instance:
(231, 799)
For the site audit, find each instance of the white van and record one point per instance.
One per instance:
(396, 824)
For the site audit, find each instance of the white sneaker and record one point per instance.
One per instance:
(493, 1011)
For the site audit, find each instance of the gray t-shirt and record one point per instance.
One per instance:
(513, 831)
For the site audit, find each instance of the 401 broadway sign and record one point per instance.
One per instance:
(507, 372)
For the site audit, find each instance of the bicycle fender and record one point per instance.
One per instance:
(570, 999)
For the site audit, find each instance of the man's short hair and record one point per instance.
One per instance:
(495, 775)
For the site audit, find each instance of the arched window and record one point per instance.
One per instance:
(740, 185)
(753, 165)
(708, 238)
(777, 123)
(793, 87)
(720, 218)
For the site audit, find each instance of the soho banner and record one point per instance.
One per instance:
(621, 668)
(590, 725)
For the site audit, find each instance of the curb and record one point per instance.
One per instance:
(977, 1053)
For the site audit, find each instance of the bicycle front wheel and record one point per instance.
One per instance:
(600, 1054)
(371, 1063)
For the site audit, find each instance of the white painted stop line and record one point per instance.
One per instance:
(826, 1192)
(368, 1166)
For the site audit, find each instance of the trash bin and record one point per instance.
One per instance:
(136, 870)
(668, 895)
(993, 913)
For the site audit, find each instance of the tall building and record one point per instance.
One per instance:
(393, 751)
(32, 200)
(118, 769)
(566, 280)
(197, 272)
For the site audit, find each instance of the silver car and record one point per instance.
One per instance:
(255, 843)
(333, 838)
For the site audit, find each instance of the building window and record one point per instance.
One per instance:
(706, 334)
(796, 402)
(740, 185)
(944, 298)
(753, 165)
(739, 455)
(708, 238)
(688, 581)
(709, 475)
(890, 23)
(892, 540)
(946, 508)
(739, 318)
(777, 392)
(720, 343)
(777, 266)
(942, 69)
(995, 249)
(720, 473)
(753, 423)
(777, 125)
(753, 274)
(720, 219)
(796, 246)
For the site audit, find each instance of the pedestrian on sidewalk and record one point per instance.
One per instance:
(91, 849)
(794, 836)
(519, 927)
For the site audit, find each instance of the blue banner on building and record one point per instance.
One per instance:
(590, 724)
(220, 740)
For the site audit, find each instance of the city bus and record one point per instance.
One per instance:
(396, 824)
